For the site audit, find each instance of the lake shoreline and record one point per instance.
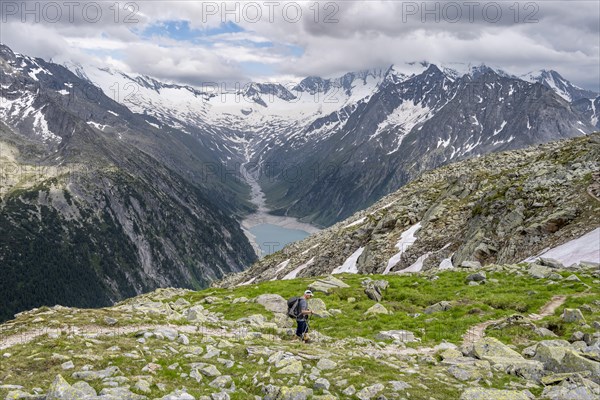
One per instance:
(262, 215)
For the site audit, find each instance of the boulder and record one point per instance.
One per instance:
(293, 368)
(295, 393)
(318, 307)
(326, 285)
(377, 309)
(477, 277)
(325, 364)
(369, 392)
(572, 388)
(539, 271)
(550, 262)
(478, 393)
(572, 315)
(61, 390)
(373, 293)
(273, 302)
(561, 358)
(437, 307)
(529, 369)
(468, 372)
(492, 347)
(400, 335)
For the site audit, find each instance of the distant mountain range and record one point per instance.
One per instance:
(326, 147)
(119, 183)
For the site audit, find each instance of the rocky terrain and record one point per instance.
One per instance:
(501, 208)
(512, 331)
(96, 203)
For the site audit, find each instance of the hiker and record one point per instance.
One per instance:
(302, 318)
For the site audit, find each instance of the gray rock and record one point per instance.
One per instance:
(376, 309)
(373, 293)
(400, 335)
(195, 314)
(221, 382)
(61, 390)
(142, 386)
(327, 284)
(295, 393)
(178, 395)
(318, 307)
(273, 302)
(544, 332)
(477, 277)
(119, 393)
(110, 321)
(220, 396)
(539, 271)
(551, 262)
(326, 364)
(572, 278)
(468, 372)
(478, 393)
(492, 347)
(67, 365)
(349, 391)
(398, 386)
(210, 371)
(572, 388)
(437, 307)
(369, 392)
(470, 264)
(169, 333)
(572, 315)
(293, 368)
(576, 336)
(96, 375)
(321, 384)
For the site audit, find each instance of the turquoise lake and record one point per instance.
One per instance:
(271, 238)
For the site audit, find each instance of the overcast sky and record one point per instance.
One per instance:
(194, 42)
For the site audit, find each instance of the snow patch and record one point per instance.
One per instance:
(296, 271)
(446, 263)
(350, 264)
(407, 238)
(357, 222)
(584, 248)
(497, 131)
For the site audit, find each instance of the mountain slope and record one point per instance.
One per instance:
(501, 208)
(97, 203)
(314, 143)
(407, 126)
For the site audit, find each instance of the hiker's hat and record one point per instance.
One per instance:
(308, 292)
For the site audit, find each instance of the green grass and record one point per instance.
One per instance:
(32, 364)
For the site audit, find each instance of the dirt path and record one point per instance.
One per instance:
(549, 308)
(94, 330)
(477, 332)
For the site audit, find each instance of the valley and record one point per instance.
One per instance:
(266, 232)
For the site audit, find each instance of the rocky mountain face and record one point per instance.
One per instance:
(501, 208)
(324, 148)
(553, 80)
(97, 203)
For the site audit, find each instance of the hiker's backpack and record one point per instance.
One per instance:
(293, 307)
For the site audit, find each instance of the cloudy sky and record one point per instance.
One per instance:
(198, 41)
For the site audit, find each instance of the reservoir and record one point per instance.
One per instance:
(270, 238)
(266, 232)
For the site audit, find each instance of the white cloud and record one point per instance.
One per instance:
(367, 34)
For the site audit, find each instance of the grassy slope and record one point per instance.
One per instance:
(32, 365)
